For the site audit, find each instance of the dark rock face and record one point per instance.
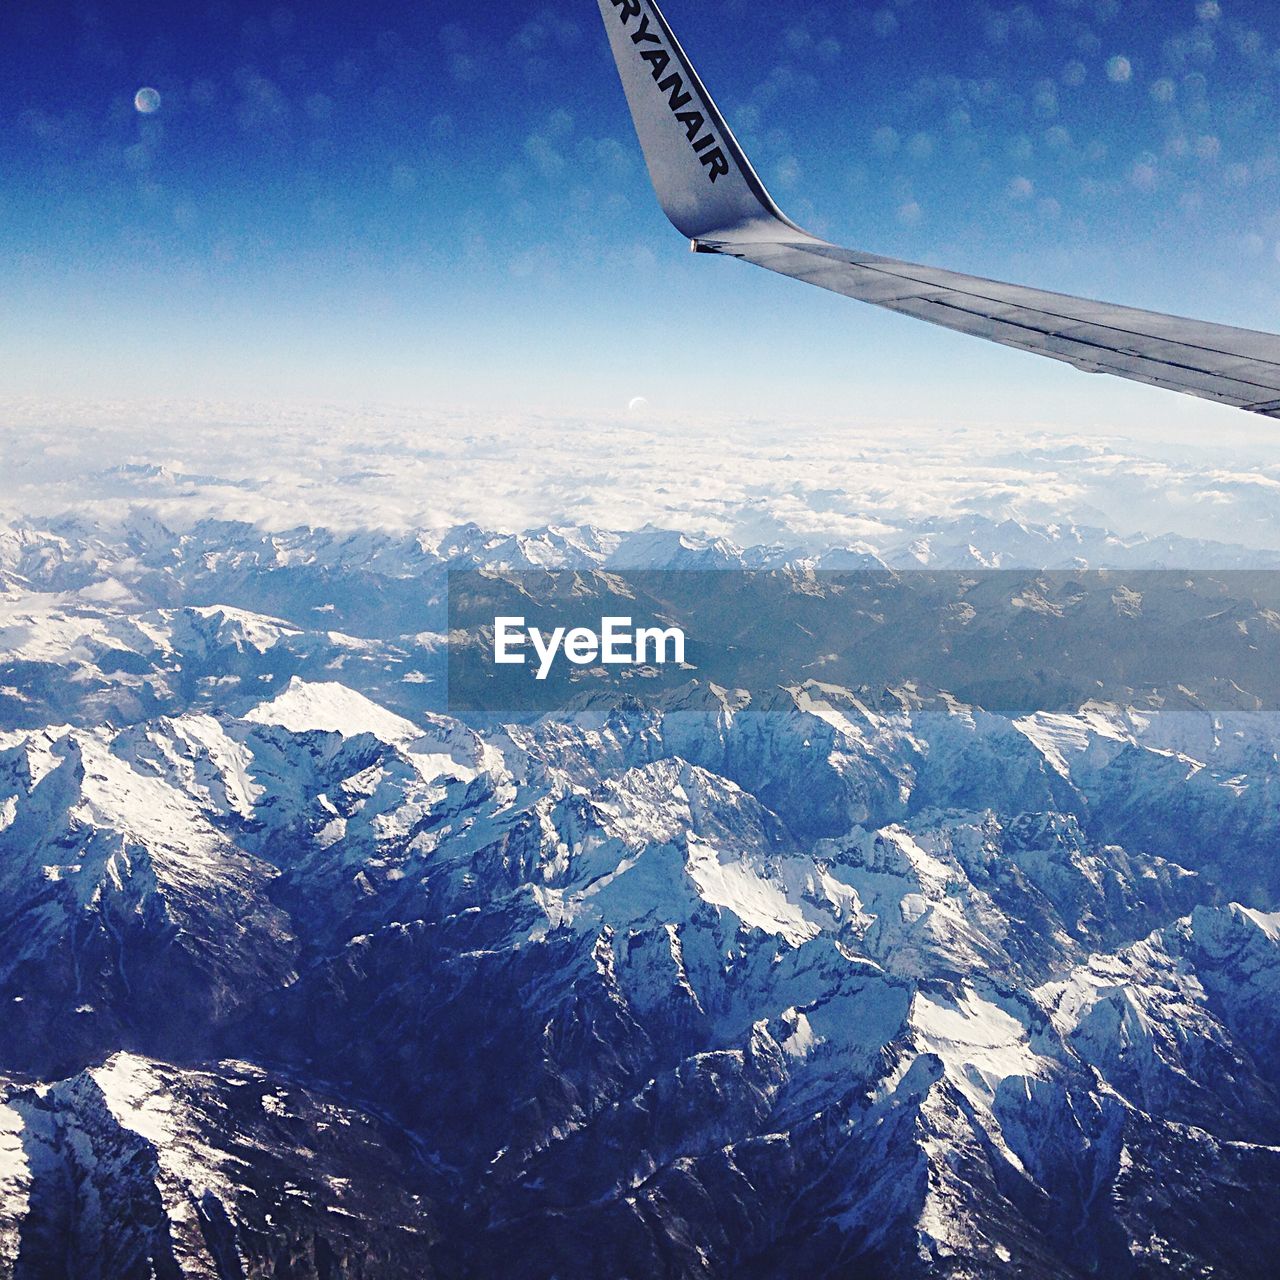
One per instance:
(141, 1169)
(300, 978)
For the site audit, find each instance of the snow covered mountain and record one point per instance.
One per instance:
(302, 977)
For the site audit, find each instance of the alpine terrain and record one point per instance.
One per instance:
(301, 977)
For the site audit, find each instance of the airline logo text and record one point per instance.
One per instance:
(647, 39)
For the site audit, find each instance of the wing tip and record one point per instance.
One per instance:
(703, 178)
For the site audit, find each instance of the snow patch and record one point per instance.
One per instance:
(757, 902)
(1268, 922)
(1061, 739)
(137, 1098)
(802, 1041)
(818, 700)
(332, 708)
(979, 1043)
(256, 630)
(15, 1183)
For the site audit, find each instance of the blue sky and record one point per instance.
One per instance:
(443, 204)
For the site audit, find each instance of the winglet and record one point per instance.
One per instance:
(704, 181)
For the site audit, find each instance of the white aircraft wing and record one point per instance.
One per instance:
(712, 195)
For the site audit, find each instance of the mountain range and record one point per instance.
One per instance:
(303, 976)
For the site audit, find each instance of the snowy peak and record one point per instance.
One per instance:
(332, 708)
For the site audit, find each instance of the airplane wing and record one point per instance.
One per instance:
(712, 195)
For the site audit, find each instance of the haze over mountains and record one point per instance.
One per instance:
(301, 976)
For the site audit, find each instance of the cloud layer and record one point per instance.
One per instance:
(747, 482)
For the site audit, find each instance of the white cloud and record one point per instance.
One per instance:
(750, 483)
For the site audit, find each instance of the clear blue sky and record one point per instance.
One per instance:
(442, 202)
